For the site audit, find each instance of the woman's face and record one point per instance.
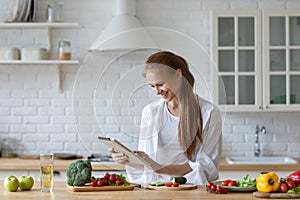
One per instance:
(164, 83)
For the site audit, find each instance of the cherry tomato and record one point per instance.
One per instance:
(225, 183)
(176, 184)
(100, 183)
(219, 189)
(225, 190)
(112, 178)
(168, 184)
(119, 182)
(93, 183)
(105, 182)
(106, 176)
(283, 187)
(291, 184)
(210, 184)
(213, 187)
(232, 183)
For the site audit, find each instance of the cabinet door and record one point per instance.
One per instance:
(282, 60)
(237, 59)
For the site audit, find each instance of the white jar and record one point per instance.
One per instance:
(9, 53)
(33, 53)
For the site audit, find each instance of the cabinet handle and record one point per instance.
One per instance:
(56, 173)
(260, 107)
(267, 107)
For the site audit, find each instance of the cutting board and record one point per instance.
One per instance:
(276, 195)
(187, 186)
(95, 189)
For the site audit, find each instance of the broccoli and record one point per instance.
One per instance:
(79, 173)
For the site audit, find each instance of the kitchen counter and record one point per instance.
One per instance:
(32, 164)
(62, 192)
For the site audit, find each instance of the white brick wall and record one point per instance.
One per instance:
(41, 119)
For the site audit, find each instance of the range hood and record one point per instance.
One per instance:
(124, 32)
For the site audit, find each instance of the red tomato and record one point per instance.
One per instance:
(119, 182)
(210, 184)
(168, 184)
(176, 184)
(225, 190)
(232, 183)
(112, 178)
(213, 187)
(225, 183)
(100, 183)
(105, 182)
(93, 183)
(106, 176)
(219, 189)
(283, 187)
(291, 184)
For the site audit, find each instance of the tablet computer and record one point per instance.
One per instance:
(119, 147)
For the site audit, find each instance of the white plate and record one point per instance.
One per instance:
(235, 188)
(22, 10)
(26, 18)
(33, 10)
(15, 11)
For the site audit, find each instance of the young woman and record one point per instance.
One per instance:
(180, 133)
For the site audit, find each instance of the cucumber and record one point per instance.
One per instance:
(157, 183)
(180, 180)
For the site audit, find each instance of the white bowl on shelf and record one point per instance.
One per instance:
(33, 53)
(8, 53)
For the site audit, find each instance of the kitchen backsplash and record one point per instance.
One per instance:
(40, 119)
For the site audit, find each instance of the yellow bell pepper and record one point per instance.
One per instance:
(267, 182)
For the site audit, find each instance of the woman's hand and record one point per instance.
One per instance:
(118, 157)
(153, 165)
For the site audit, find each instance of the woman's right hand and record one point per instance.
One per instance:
(120, 158)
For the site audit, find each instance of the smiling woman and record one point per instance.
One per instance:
(181, 133)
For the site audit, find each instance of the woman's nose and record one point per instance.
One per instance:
(157, 90)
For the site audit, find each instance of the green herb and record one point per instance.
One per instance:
(246, 182)
(295, 190)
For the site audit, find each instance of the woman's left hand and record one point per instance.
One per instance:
(153, 165)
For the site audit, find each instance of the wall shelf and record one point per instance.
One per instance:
(57, 63)
(47, 26)
(40, 25)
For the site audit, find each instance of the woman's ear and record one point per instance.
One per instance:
(178, 73)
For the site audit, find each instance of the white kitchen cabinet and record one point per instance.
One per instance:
(47, 26)
(256, 56)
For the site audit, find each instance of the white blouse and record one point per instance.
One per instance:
(158, 138)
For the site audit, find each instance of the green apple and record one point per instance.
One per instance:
(11, 183)
(26, 182)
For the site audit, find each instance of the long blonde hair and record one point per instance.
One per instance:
(190, 121)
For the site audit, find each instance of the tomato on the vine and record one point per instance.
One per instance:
(93, 183)
(219, 189)
(100, 183)
(213, 187)
(112, 178)
(106, 176)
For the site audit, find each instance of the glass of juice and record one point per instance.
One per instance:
(47, 172)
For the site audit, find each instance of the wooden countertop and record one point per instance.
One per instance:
(62, 192)
(32, 164)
